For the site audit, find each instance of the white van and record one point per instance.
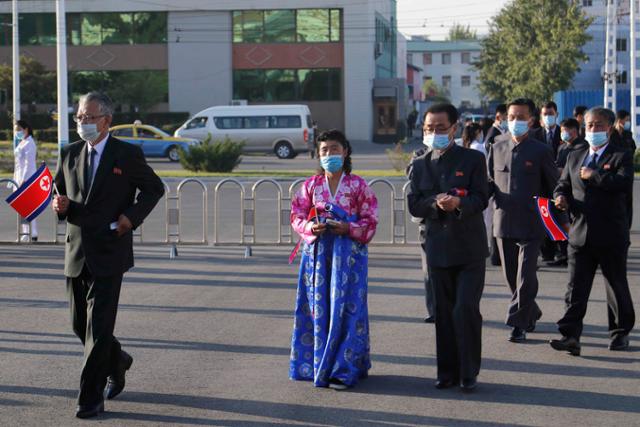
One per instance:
(285, 130)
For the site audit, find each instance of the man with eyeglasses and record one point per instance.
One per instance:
(97, 180)
(449, 191)
(520, 168)
(593, 188)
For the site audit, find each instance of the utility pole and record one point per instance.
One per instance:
(16, 62)
(610, 65)
(61, 44)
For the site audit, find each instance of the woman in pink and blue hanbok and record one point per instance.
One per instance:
(336, 214)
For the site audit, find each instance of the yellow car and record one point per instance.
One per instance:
(153, 141)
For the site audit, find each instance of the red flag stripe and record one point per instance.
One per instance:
(554, 231)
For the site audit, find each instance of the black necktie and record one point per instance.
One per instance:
(91, 167)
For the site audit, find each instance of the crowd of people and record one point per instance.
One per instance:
(105, 190)
(472, 201)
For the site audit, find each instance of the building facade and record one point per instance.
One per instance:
(327, 54)
(449, 65)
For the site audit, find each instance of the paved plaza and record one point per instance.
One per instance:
(209, 332)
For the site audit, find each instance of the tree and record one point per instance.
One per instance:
(37, 85)
(533, 49)
(460, 32)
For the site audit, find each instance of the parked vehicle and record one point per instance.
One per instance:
(153, 141)
(285, 130)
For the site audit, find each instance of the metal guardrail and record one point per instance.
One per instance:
(396, 227)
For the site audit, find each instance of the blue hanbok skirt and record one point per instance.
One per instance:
(330, 339)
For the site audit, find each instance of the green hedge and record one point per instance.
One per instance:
(212, 156)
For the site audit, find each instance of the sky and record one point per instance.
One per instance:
(434, 17)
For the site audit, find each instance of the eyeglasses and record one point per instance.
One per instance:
(86, 118)
(439, 129)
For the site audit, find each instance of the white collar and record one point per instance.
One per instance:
(99, 147)
(599, 151)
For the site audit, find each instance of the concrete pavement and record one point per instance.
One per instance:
(209, 333)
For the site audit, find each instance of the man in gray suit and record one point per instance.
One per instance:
(98, 178)
(449, 190)
(520, 168)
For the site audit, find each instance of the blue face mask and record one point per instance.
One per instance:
(596, 139)
(549, 121)
(20, 135)
(332, 164)
(627, 125)
(436, 142)
(565, 136)
(504, 125)
(518, 128)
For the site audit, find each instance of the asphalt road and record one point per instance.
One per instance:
(210, 330)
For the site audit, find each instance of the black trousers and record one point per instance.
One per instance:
(548, 249)
(94, 303)
(458, 320)
(429, 297)
(519, 263)
(583, 263)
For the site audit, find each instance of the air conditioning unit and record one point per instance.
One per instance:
(239, 102)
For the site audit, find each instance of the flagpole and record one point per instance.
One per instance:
(61, 44)
(16, 62)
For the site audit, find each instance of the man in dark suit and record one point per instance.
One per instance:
(571, 141)
(549, 123)
(551, 137)
(520, 168)
(593, 187)
(97, 179)
(449, 190)
(578, 114)
(499, 127)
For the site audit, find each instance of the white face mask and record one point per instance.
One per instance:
(88, 131)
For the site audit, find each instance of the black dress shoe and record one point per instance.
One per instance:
(531, 327)
(619, 343)
(569, 344)
(116, 382)
(430, 319)
(442, 383)
(468, 384)
(88, 411)
(517, 335)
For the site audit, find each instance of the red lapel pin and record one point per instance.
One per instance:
(117, 171)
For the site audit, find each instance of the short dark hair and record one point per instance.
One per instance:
(526, 102)
(550, 104)
(579, 109)
(452, 112)
(501, 109)
(622, 114)
(24, 125)
(336, 135)
(570, 123)
(604, 113)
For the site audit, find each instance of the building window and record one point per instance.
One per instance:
(446, 58)
(464, 104)
(465, 58)
(410, 58)
(287, 26)
(142, 88)
(446, 82)
(465, 81)
(588, 3)
(621, 45)
(94, 29)
(320, 84)
(622, 78)
(426, 58)
(426, 78)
